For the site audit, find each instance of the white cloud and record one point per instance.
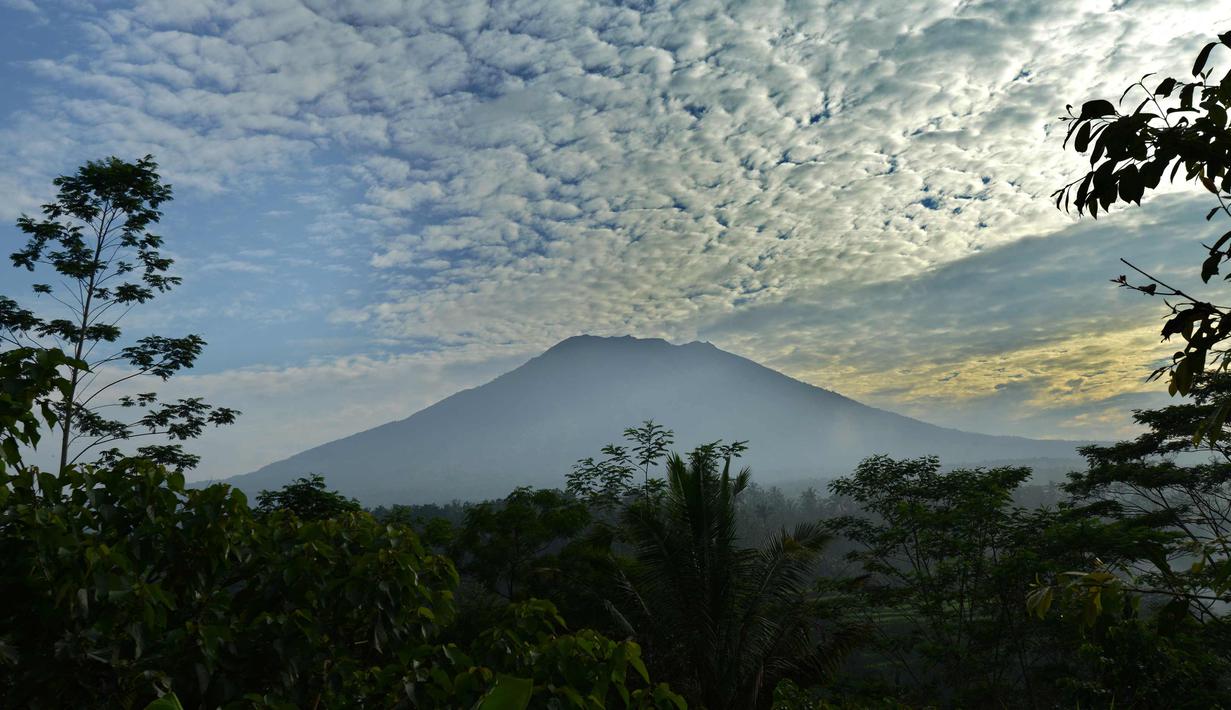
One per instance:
(23, 5)
(522, 172)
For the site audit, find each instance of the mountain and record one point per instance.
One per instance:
(528, 426)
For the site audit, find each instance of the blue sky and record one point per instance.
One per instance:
(381, 202)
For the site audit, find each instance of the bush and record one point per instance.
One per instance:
(121, 585)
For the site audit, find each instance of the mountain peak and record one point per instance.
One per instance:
(620, 342)
(586, 340)
(530, 425)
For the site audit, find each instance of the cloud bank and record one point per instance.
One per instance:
(841, 189)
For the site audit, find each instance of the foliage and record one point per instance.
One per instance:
(1188, 506)
(931, 543)
(788, 695)
(650, 444)
(1127, 656)
(28, 377)
(603, 483)
(1162, 599)
(436, 525)
(723, 623)
(95, 237)
(1178, 124)
(949, 561)
(308, 499)
(533, 543)
(607, 482)
(505, 544)
(122, 582)
(542, 665)
(1134, 662)
(170, 701)
(122, 585)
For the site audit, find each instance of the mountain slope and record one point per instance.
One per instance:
(528, 426)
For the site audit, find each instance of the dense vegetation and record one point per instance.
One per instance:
(908, 585)
(121, 585)
(652, 579)
(911, 587)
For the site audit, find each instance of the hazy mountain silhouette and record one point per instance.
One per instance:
(528, 426)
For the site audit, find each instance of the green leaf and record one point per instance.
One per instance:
(1182, 376)
(11, 453)
(166, 702)
(1211, 428)
(639, 666)
(509, 693)
(1039, 601)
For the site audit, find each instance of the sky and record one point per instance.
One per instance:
(381, 202)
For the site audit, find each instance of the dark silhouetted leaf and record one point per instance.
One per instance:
(1203, 57)
(1097, 108)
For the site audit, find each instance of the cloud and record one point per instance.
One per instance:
(784, 177)
(238, 265)
(288, 409)
(1028, 337)
(22, 5)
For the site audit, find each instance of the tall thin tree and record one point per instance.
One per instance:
(95, 237)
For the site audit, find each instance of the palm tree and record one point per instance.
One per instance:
(724, 623)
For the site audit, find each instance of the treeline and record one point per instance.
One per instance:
(122, 588)
(902, 585)
(652, 579)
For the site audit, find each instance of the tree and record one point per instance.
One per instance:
(506, 544)
(650, 444)
(121, 585)
(308, 499)
(533, 544)
(724, 623)
(603, 483)
(1189, 505)
(27, 378)
(930, 542)
(606, 483)
(95, 237)
(542, 666)
(1178, 124)
(949, 560)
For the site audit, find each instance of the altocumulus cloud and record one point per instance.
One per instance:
(783, 178)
